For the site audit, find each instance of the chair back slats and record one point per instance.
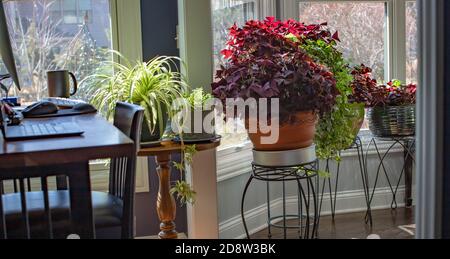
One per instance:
(24, 230)
(23, 200)
(128, 118)
(29, 184)
(48, 212)
(119, 171)
(61, 183)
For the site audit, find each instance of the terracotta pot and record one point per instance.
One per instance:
(292, 136)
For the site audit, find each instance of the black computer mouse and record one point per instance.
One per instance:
(84, 108)
(40, 109)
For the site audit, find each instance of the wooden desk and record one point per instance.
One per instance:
(67, 156)
(166, 206)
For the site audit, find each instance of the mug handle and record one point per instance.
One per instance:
(75, 84)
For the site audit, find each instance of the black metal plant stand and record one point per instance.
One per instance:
(358, 146)
(408, 144)
(308, 211)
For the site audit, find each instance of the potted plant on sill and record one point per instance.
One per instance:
(361, 96)
(338, 129)
(264, 63)
(153, 85)
(198, 109)
(393, 111)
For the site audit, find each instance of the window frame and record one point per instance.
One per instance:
(61, 10)
(395, 40)
(281, 9)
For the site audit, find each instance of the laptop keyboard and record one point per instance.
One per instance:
(42, 129)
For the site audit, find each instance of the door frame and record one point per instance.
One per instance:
(430, 118)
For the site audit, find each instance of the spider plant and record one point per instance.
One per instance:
(154, 85)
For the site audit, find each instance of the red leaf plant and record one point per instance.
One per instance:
(367, 91)
(264, 63)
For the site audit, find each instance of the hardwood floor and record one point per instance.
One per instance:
(386, 224)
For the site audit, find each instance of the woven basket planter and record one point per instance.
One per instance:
(392, 121)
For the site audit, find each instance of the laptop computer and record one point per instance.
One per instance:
(36, 130)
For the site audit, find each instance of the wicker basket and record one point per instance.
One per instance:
(392, 121)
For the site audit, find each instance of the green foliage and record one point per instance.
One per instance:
(396, 83)
(198, 98)
(184, 192)
(334, 132)
(153, 85)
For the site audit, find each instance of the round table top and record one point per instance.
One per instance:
(173, 147)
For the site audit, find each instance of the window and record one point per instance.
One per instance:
(41, 44)
(71, 11)
(224, 14)
(380, 34)
(411, 42)
(361, 27)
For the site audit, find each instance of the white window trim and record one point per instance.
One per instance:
(127, 39)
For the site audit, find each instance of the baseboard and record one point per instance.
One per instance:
(347, 202)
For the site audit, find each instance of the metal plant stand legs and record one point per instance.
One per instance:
(327, 182)
(306, 178)
(408, 144)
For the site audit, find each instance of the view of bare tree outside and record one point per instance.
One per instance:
(361, 27)
(411, 43)
(225, 13)
(44, 40)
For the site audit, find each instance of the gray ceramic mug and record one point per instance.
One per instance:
(59, 83)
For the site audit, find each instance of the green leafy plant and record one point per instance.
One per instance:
(154, 85)
(182, 189)
(5, 84)
(334, 132)
(198, 98)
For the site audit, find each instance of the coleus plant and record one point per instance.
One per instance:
(395, 93)
(363, 86)
(366, 90)
(263, 62)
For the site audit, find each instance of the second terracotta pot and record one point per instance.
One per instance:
(291, 136)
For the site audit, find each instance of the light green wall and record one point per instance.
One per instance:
(195, 41)
(126, 24)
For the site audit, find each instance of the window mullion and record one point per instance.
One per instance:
(389, 42)
(266, 8)
(399, 40)
(289, 9)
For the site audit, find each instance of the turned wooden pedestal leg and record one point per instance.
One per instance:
(166, 205)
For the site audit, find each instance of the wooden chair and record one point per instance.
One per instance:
(48, 212)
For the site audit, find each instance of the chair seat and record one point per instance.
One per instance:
(107, 211)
